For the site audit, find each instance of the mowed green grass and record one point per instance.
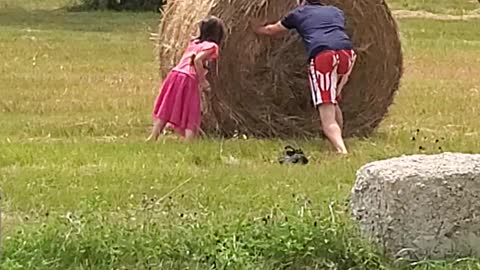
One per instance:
(36, 5)
(457, 7)
(77, 90)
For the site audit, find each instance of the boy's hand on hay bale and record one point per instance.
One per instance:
(257, 24)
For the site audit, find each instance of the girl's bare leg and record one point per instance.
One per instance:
(157, 129)
(331, 127)
(189, 135)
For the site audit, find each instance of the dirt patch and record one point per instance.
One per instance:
(400, 14)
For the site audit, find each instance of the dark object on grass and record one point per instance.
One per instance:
(262, 87)
(293, 156)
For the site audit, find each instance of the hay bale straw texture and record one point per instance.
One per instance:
(262, 88)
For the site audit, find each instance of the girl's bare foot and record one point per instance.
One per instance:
(189, 135)
(157, 129)
(151, 138)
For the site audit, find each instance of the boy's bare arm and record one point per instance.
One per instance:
(276, 29)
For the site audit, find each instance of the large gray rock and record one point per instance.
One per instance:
(419, 207)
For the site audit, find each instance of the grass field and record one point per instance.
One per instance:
(436, 6)
(81, 190)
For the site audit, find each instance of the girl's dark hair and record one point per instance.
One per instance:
(212, 29)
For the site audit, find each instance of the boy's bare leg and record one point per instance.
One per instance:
(331, 127)
(341, 85)
(339, 116)
(343, 82)
(344, 78)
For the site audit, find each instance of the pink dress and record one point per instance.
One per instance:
(178, 102)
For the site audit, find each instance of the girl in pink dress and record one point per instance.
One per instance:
(178, 103)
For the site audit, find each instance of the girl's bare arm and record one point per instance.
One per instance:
(198, 61)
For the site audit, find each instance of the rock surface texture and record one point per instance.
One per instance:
(421, 207)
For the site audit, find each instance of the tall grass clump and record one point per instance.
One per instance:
(287, 239)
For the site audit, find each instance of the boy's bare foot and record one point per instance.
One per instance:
(342, 150)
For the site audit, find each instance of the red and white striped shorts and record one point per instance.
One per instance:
(325, 71)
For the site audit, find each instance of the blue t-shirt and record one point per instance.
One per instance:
(321, 28)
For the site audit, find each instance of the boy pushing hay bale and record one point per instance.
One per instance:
(261, 88)
(331, 59)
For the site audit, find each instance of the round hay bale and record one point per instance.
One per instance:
(262, 87)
